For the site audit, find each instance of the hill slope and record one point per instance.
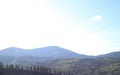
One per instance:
(110, 55)
(51, 51)
(26, 56)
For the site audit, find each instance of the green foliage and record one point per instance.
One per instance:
(65, 67)
(76, 66)
(113, 69)
(93, 66)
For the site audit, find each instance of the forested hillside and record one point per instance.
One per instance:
(32, 70)
(93, 66)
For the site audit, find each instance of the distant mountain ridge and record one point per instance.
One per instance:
(13, 55)
(111, 55)
(50, 51)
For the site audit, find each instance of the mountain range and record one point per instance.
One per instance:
(51, 51)
(63, 60)
(21, 56)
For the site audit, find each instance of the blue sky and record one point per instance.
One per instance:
(84, 26)
(82, 10)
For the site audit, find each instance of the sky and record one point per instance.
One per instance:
(84, 26)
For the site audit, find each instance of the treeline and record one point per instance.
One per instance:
(96, 66)
(86, 67)
(32, 70)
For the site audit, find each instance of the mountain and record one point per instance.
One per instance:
(29, 56)
(13, 55)
(63, 60)
(13, 51)
(110, 55)
(56, 52)
(51, 51)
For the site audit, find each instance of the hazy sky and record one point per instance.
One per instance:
(85, 26)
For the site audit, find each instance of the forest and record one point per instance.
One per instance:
(32, 70)
(102, 66)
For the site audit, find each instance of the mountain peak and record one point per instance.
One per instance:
(52, 47)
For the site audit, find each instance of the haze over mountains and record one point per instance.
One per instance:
(25, 56)
(50, 51)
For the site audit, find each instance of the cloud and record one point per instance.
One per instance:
(96, 18)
